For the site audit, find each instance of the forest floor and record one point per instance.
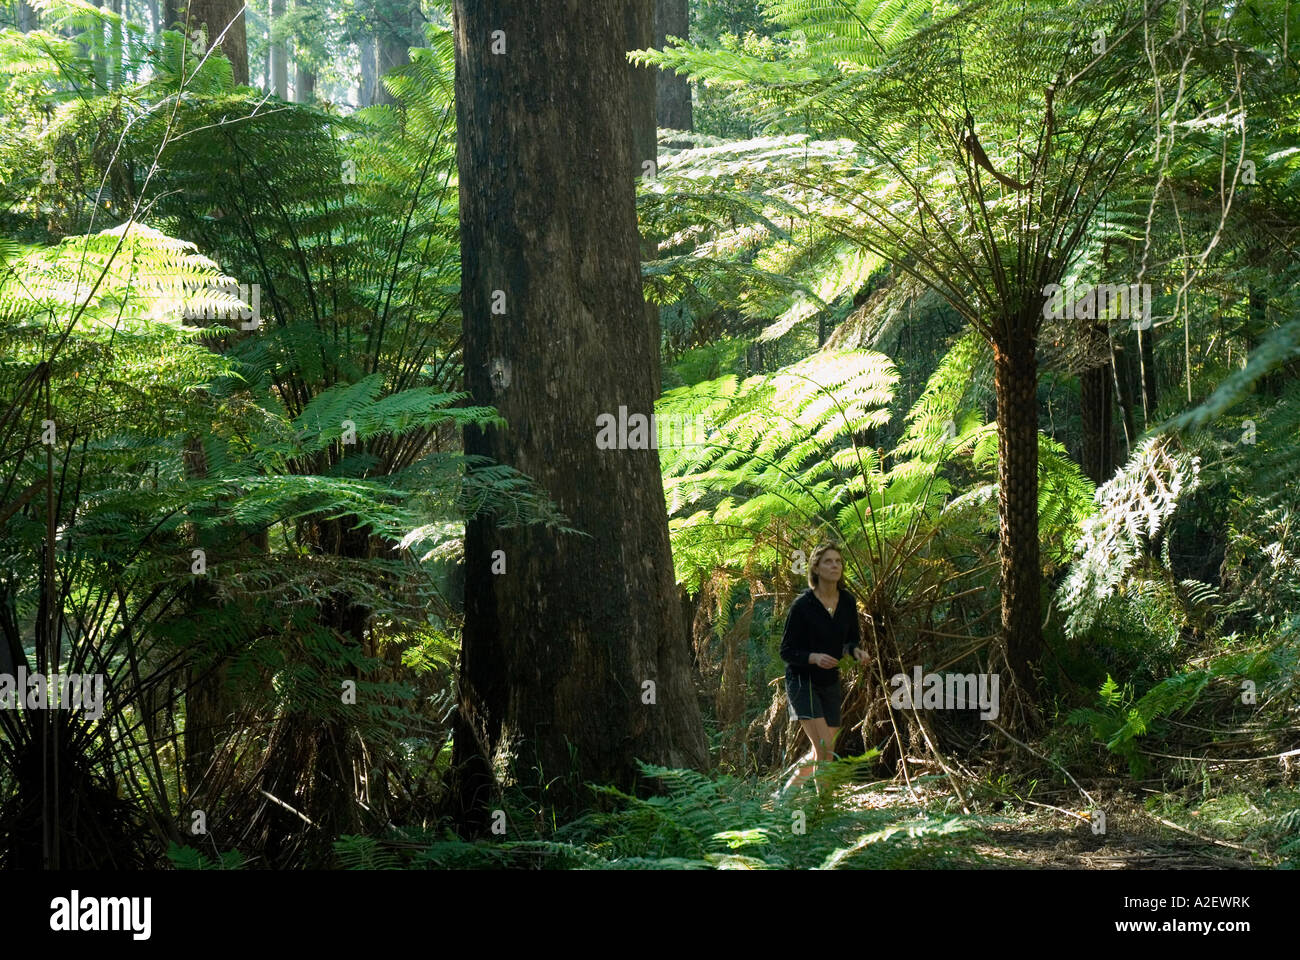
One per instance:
(1054, 832)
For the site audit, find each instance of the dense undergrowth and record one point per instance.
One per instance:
(315, 464)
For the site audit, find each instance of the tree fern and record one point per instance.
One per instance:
(1132, 507)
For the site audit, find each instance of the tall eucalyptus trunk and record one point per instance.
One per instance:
(574, 660)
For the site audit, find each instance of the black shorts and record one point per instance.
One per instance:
(808, 699)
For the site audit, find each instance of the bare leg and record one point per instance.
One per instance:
(813, 732)
(822, 743)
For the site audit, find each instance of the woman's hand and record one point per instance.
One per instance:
(822, 660)
(860, 655)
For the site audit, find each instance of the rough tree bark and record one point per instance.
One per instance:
(1015, 381)
(638, 26)
(638, 19)
(559, 650)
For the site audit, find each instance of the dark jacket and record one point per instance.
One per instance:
(810, 629)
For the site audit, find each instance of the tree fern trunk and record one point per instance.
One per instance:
(1016, 387)
(559, 649)
(208, 703)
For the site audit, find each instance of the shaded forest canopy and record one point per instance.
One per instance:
(420, 425)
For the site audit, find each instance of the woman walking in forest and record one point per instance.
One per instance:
(822, 627)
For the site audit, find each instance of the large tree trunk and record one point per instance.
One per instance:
(1015, 380)
(672, 19)
(279, 55)
(564, 648)
(217, 14)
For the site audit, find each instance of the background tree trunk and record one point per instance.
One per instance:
(1125, 394)
(279, 54)
(399, 31)
(216, 14)
(1271, 384)
(368, 90)
(1095, 395)
(304, 84)
(560, 651)
(638, 19)
(1147, 363)
(115, 65)
(673, 93)
(96, 49)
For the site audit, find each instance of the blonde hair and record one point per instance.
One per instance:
(816, 558)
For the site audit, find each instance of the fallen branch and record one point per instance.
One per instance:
(1048, 759)
(1217, 843)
